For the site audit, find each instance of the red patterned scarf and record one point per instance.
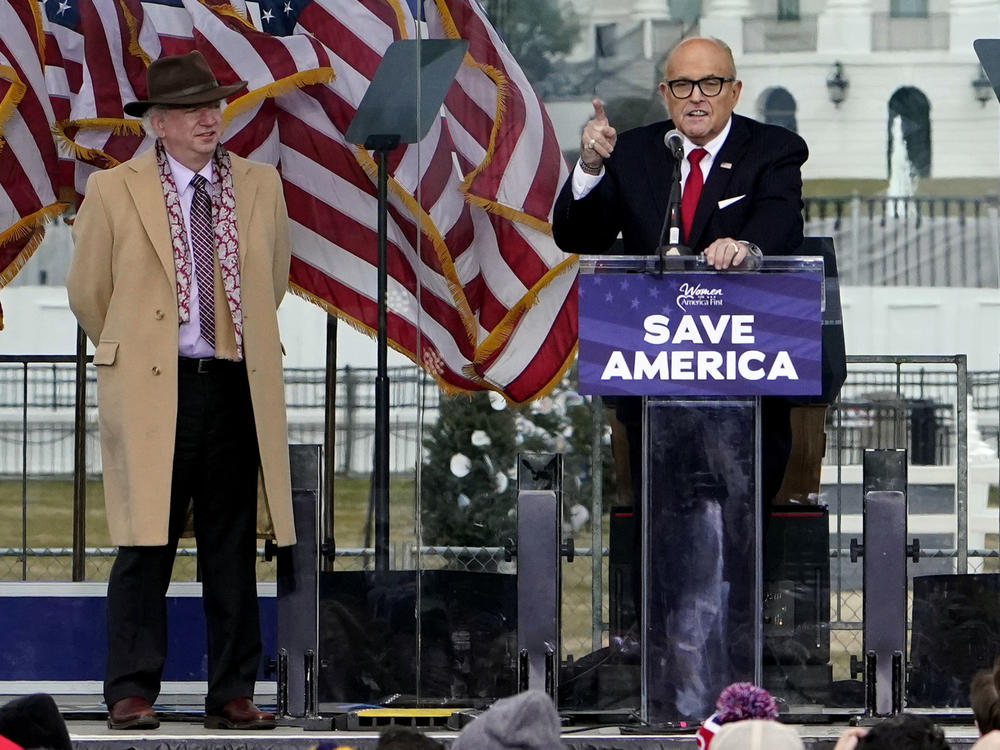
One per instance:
(227, 240)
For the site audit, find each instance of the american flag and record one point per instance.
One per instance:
(27, 152)
(478, 293)
(96, 57)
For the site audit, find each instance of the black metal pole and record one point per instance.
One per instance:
(80, 461)
(328, 539)
(282, 697)
(382, 145)
(24, 473)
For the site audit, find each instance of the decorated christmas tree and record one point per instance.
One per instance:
(468, 495)
(469, 481)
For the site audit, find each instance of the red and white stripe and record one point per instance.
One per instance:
(28, 161)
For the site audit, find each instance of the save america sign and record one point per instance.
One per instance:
(700, 334)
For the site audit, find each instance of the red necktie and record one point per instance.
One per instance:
(202, 246)
(692, 190)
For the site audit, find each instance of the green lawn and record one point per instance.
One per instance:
(49, 512)
(49, 525)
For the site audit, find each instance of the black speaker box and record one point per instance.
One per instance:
(622, 548)
(956, 633)
(797, 586)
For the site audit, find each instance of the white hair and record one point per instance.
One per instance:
(147, 122)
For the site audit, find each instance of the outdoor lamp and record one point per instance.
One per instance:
(836, 84)
(982, 88)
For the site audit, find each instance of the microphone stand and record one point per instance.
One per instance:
(671, 229)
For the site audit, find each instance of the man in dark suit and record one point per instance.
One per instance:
(750, 201)
(741, 198)
(752, 182)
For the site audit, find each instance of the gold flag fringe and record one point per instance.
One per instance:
(39, 37)
(503, 85)
(228, 9)
(449, 388)
(545, 390)
(8, 105)
(404, 32)
(32, 224)
(115, 125)
(501, 334)
(455, 286)
(134, 48)
(282, 86)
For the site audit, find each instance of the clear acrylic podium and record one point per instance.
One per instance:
(701, 516)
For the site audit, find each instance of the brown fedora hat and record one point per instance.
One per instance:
(180, 80)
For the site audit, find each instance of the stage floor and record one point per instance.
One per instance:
(181, 729)
(179, 735)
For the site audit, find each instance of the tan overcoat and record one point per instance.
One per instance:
(122, 289)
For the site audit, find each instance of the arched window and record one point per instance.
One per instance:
(913, 110)
(778, 108)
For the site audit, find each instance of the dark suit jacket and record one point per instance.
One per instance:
(632, 196)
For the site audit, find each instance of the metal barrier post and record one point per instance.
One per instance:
(962, 462)
(298, 581)
(596, 526)
(539, 562)
(884, 551)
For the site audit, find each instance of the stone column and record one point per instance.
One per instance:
(724, 19)
(971, 20)
(844, 26)
(645, 12)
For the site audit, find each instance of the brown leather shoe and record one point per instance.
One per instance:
(240, 713)
(133, 712)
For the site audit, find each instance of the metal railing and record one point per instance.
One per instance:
(910, 241)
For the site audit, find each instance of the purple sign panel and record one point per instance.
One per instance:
(700, 334)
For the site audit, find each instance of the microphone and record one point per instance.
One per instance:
(671, 229)
(674, 141)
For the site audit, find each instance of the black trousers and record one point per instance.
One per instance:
(215, 468)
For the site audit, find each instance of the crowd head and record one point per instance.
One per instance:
(34, 721)
(527, 721)
(904, 732)
(984, 695)
(757, 734)
(738, 702)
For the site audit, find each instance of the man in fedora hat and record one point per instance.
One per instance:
(181, 260)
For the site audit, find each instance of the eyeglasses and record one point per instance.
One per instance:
(682, 88)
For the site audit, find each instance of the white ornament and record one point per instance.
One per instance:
(460, 465)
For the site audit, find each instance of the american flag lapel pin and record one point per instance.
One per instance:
(726, 165)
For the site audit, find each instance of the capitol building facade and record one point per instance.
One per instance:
(845, 74)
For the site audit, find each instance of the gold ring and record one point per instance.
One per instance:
(591, 144)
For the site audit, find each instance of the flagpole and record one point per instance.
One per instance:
(382, 128)
(382, 145)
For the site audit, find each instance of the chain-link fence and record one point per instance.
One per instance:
(893, 402)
